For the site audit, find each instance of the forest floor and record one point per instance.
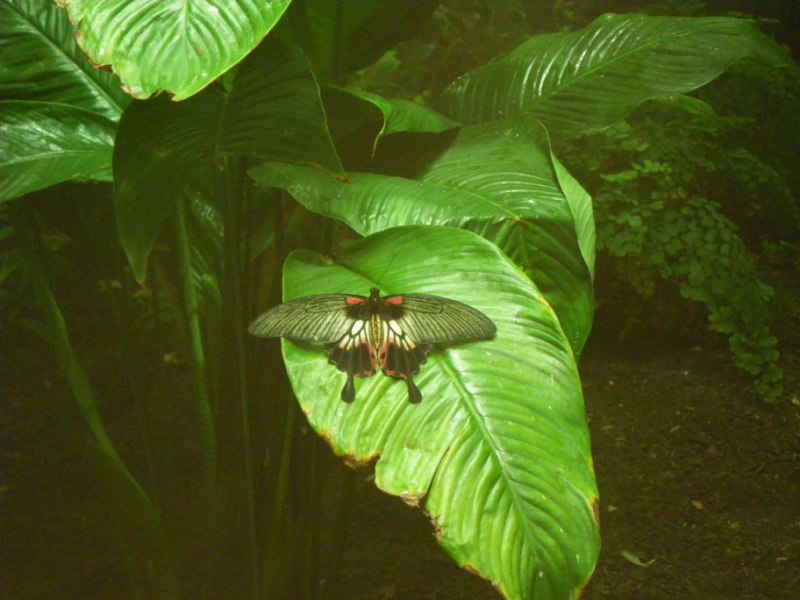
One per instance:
(699, 487)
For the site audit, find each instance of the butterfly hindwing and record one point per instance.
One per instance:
(354, 353)
(400, 356)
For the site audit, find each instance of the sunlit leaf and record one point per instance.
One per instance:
(498, 449)
(171, 45)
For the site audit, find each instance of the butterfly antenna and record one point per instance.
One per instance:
(379, 281)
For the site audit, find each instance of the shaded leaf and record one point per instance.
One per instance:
(45, 143)
(354, 109)
(588, 79)
(273, 111)
(347, 35)
(690, 105)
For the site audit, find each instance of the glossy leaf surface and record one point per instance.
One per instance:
(588, 79)
(42, 144)
(171, 45)
(499, 447)
(59, 113)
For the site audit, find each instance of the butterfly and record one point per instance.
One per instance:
(360, 333)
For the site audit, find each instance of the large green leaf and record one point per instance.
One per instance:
(589, 79)
(59, 113)
(171, 45)
(42, 62)
(499, 443)
(272, 111)
(43, 143)
(347, 35)
(499, 180)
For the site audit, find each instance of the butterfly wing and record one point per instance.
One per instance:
(359, 332)
(432, 319)
(340, 321)
(411, 323)
(354, 353)
(323, 319)
(400, 356)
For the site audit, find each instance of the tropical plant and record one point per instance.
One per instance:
(468, 202)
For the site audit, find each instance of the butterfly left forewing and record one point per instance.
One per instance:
(322, 319)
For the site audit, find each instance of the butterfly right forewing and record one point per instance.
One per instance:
(433, 319)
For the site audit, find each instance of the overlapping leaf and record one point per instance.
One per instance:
(171, 45)
(273, 110)
(499, 442)
(351, 109)
(588, 79)
(499, 180)
(41, 62)
(347, 35)
(43, 143)
(58, 115)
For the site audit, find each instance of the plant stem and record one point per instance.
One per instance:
(234, 184)
(198, 359)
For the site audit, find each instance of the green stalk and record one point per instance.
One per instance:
(234, 181)
(198, 359)
(276, 519)
(343, 512)
(130, 493)
(310, 582)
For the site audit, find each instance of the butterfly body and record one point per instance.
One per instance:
(361, 333)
